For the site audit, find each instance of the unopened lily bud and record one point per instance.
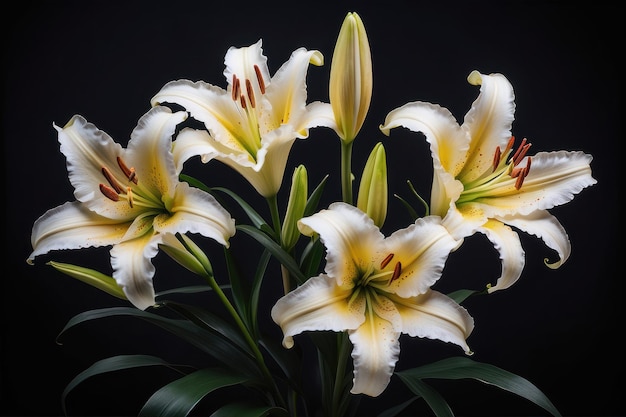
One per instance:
(351, 78)
(372, 197)
(184, 251)
(92, 277)
(295, 207)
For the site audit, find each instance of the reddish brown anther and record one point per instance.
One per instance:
(259, 78)
(250, 92)
(397, 270)
(386, 261)
(109, 192)
(111, 180)
(496, 158)
(129, 172)
(236, 88)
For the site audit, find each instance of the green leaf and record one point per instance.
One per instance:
(249, 410)
(396, 410)
(279, 253)
(461, 368)
(314, 198)
(208, 341)
(312, 257)
(461, 295)
(238, 289)
(408, 207)
(254, 216)
(256, 287)
(287, 359)
(111, 364)
(179, 397)
(192, 289)
(210, 321)
(434, 400)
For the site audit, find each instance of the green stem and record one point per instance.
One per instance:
(346, 171)
(246, 333)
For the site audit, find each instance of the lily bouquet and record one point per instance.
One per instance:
(346, 292)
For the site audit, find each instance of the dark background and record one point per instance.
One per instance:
(561, 329)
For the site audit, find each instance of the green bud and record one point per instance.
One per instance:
(92, 277)
(351, 78)
(184, 251)
(372, 197)
(295, 208)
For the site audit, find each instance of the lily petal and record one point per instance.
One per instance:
(423, 248)
(195, 211)
(318, 304)
(554, 179)
(87, 151)
(375, 353)
(435, 316)
(133, 269)
(350, 237)
(287, 92)
(507, 243)
(73, 226)
(545, 226)
(488, 122)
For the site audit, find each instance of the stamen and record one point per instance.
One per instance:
(397, 270)
(112, 181)
(109, 192)
(250, 93)
(520, 180)
(522, 154)
(496, 158)
(242, 99)
(133, 175)
(236, 87)
(127, 171)
(129, 192)
(510, 144)
(259, 78)
(386, 261)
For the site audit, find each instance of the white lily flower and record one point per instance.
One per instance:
(481, 183)
(128, 198)
(255, 121)
(376, 288)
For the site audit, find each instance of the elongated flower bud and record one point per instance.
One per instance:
(351, 78)
(184, 251)
(295, 207)
(92, 277)
(372, 197)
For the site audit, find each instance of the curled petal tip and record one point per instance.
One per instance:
(474, 78)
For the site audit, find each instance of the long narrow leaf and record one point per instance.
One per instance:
(256, 287)
(178, 398)
(114, 363)
(254, 216)
(238, 289)
(434, 400)
(249, 410)
(314, 199)
(210, 342)
(461, 367)
(279, 253)
(208, 320)
(396, 410)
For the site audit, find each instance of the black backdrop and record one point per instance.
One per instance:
(560, 329)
